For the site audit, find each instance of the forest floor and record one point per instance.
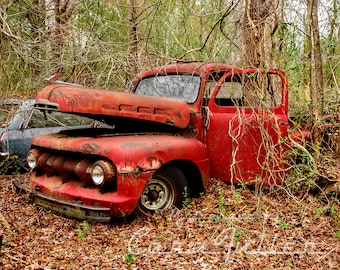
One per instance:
(229, 227)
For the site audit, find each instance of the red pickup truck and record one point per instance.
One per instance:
(180, 125)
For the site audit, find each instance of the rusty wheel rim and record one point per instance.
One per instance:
(157, 195)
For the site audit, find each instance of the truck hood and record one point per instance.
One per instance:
(90, 101)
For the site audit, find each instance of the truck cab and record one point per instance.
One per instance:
(180, 125)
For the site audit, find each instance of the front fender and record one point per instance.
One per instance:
(129, 153)
(150, 152)
(138, 160)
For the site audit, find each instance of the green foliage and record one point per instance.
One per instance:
(221, 202)
(83, 230)
(318, 211)
(129, 258)
(291, 59)
(95, 43)
(283, 224)
(12, 165)
(237, 235)
(237, 193)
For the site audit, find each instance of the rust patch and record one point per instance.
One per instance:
(90, 148)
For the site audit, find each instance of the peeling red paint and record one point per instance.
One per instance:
(235, 143)
(96, 101)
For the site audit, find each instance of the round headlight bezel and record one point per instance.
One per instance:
(102, 173)
(97, 175)
(32, 158)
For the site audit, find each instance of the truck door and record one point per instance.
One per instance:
(246, 126)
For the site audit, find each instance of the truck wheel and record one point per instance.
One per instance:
(166, 189)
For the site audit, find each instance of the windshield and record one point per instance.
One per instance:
(43, 119)
(183, 87)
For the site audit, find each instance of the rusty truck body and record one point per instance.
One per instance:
(180, 125)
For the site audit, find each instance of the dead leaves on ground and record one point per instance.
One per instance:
(229, 227)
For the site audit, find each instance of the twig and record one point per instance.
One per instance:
(1, 234)
(16, 259)
(4, 221)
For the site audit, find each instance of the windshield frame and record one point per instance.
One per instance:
(156, 86)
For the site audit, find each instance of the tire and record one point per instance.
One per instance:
(167, 189)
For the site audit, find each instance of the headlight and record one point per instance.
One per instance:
(97, 175)
(32, 158)
(102, 173)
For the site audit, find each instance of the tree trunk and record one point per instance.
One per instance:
(318, 99)
(133, 43)
(258, 22)
(308, 47)
(62, 14)
(332, 37)
(316, 74)
(256, 32)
